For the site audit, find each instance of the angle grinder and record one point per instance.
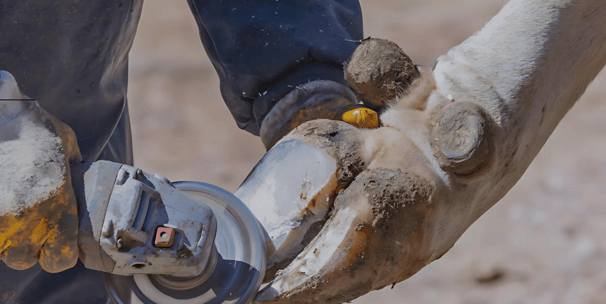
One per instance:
(163, 242)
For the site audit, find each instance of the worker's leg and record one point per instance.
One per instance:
(72, 57)
(264, 49)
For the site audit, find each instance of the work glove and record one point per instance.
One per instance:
(368, 208)
(38, 211)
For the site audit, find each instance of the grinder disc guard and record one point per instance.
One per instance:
(240, 257)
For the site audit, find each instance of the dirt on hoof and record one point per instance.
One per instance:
(390, 191)
(341, 140)
(385, 243)
(379, 71)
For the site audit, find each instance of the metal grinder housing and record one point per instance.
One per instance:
(163, 242)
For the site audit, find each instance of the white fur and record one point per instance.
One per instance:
(527, 67)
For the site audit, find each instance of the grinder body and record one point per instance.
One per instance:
(183, 242)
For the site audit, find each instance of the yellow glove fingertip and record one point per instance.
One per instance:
(362, 118)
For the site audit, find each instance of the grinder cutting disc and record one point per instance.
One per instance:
(240, 257)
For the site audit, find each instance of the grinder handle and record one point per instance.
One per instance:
(102, 177)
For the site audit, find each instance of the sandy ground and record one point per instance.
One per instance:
(545, 242)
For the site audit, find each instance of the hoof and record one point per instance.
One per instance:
(379, 71)
(461, 138)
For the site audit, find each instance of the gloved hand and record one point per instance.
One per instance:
(38, 211)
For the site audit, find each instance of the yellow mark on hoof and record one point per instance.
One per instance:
(362, 118)
(358, 244)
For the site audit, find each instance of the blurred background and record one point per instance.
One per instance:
(545, 242)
